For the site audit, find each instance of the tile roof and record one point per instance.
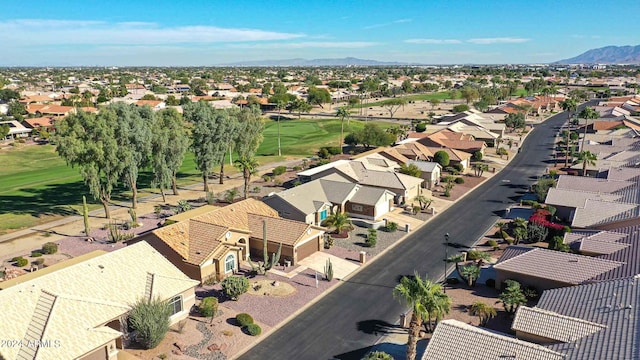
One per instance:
(285, 231)
(204, 239)
(556, 265)
(613, 304)
(425, 166)
(628, 255)
(455, 340)
(369, 195)
(235, 215)
(46, 121)
(551, 325)
(82, 297)
(590, 184)
(596, 212)
(575, 198)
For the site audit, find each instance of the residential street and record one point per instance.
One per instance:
(349, 320)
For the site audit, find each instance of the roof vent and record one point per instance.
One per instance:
(101, 267)
(198, 252)
(573, 260)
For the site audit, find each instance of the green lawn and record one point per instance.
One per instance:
(418, 97)
(521, 92)
(36, 184)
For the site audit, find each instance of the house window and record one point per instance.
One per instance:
(323, 214)
(175, 304)
(355, 207)
(229, 263)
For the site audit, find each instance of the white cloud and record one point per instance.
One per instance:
(433, 41)
(500, 40)
(305, 45)
(33, 32)
(375, 26)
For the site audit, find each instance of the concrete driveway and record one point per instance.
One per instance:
(317, 262)
(401, 219)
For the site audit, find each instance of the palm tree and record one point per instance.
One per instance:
(483, 311)
(425, 298)
(339, 221)
(587, 113)
(502, 227)
(343, 113)
(586, 158)
(470, 273)
(519, 233)
(248, 166)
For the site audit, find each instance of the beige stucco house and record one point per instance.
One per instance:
(74, 309)
(211, 242)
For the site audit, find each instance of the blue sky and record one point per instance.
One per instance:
(191, 32)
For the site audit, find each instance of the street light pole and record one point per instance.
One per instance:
(446, 256)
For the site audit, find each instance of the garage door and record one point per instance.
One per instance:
(307, 249)
(381, 209)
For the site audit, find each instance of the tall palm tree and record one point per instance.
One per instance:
(586, 158)
(248, 166)
(424, 297)
(587, 114)
(343, 113)
(483, 311)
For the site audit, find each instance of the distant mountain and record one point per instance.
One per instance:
(607, 55)
(316, 62)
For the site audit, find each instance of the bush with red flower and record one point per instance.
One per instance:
(542, 217)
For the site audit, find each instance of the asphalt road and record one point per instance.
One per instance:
(346, 322)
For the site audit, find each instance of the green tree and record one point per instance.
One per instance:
(248, 166)
(588, 113)
(205, 123)
(371, 135)
(150, 318)
(317, 96)
(342, 113)
(481, 105)
(512, 296)
(148, 97)
(425, 299)
(393, 105)
(483, 311)
(133, 134)
(469, 94)
(17, 110)
(586, 158)
(411, 170)
(300, 106)
(250, 131)
(4, 131)
(460, 108)
(470, 273)
(434, 102)
(515, 121)
(377, 355)
(479, 169)
(7, 95)
(338, 221)
(169, 143)
(88, 141)
(442, 158)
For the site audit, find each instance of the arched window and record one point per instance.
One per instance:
(229, 263)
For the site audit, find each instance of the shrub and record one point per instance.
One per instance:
(509, 241)
(333, 150)
(266, 178)
(372, 237)
(421, 127)
(323, 153)
(458, 167)
(503, 234)
(277, 182)
(279, 170)
(39, 261)
(460, 108)
(234, 286)
(442, 158)
(256, 189)
(50, 248)
(297, 183)
(208, 306)
(477, 156)
(150, 318)
(490, 283)
(531, 203)
(530, 293)
(459, 180)
(244, 319)
(492, 243)
(253, 329)
(392, 226)
(36, 254)
(475, 255)
(297, 168)
(20, 261)
(377, 355)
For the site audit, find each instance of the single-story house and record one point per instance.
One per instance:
(314, 201)
(404, 186)
(46, 122)
(548, 269)
(16, 129)
(456, 157)
(74, 309)
(212, 244)
(453, 140)
(153, 104)
(429, 171)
